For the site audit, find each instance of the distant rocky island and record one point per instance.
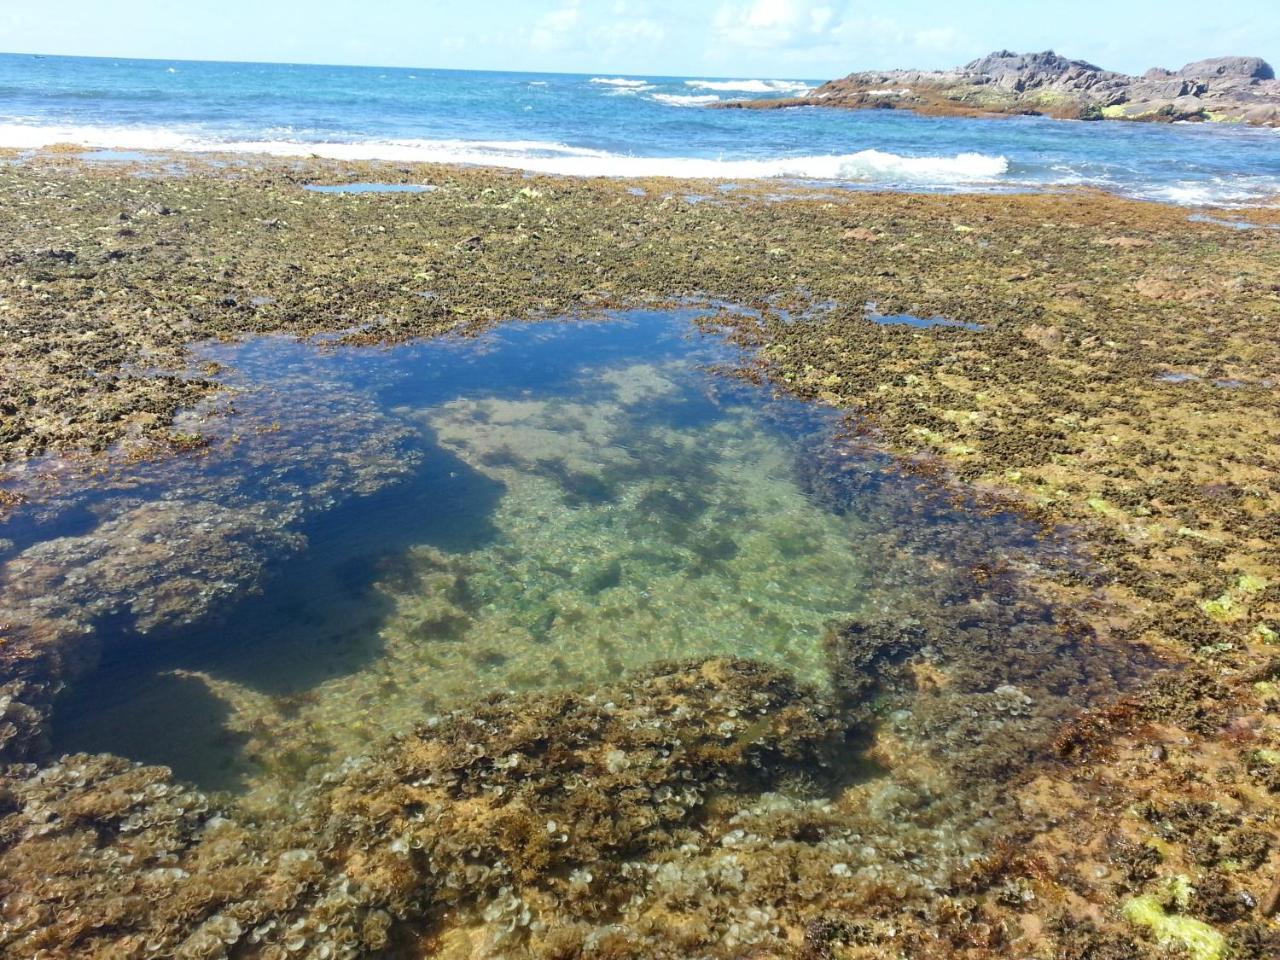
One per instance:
(1225, 89)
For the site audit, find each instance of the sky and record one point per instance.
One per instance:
(809, 39)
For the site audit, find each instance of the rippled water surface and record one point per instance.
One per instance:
(379, 535)
(610, 126)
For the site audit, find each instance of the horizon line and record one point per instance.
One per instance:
(383, 66)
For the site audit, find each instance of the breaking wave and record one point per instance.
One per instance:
(1241, 191)
(867, 166)
(620, 82)
(692, 100)
(795, 87)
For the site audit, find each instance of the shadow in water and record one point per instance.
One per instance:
(201, 750)
(317, 616)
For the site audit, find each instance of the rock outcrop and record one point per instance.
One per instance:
(1234, 89)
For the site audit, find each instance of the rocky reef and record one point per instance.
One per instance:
(1118, 379)
(1235, 89)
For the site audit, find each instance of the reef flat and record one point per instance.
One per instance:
(1113, 378)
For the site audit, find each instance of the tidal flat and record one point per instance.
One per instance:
(554, 568)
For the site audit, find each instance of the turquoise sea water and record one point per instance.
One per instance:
(610, 125)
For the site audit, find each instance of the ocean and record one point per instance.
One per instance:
(611, 126)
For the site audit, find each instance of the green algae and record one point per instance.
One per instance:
(1233, 605)
(1197, 938)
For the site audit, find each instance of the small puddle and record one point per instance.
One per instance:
(371, 188)
(1225, 383)
(1231, 224)
(911, 320)
(121, 156)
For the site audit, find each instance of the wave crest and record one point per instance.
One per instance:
(620, 82)
(692, 100)
(794, 87)
(867, 166)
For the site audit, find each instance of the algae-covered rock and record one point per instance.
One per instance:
(510, 821)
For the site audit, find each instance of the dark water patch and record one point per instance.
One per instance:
(314, 616)
(371, 188)
(31, 526)
(199, 750)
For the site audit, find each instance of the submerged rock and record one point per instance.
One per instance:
(535, 820)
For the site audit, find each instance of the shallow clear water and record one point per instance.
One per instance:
(646, 126)
(379, 535)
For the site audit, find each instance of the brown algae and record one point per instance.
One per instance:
(594, 502)
(1167, 798)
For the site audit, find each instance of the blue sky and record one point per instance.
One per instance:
(797, 38)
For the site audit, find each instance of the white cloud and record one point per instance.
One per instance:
(555, 29)
(768, 24)
(571, 28)
(937, 38)
(817, 36)
(635, 31)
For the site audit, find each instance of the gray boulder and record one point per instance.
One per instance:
(1005, 62)
(1249, 68)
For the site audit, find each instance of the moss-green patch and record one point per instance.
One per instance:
(1266, 634)
(1197, 938)
(1223, 609)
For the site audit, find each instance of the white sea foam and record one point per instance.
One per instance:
(751, 86)
(620, 82)
(867, 166)
(692, 100)
(872, 166)
(1242, 191)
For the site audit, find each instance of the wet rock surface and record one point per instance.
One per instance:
(1237, 89)
(1135, 829)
